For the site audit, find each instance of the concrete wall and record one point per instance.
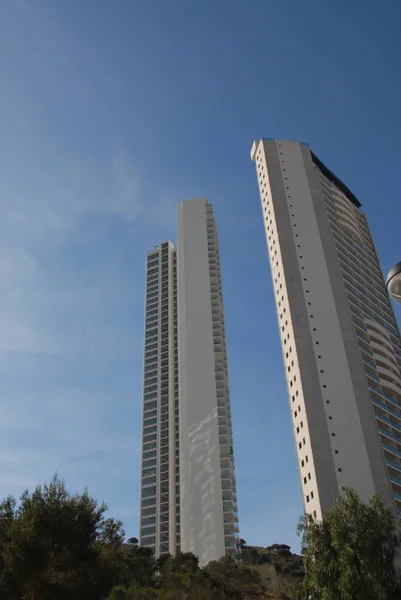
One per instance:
(319, 347)
(202, 530)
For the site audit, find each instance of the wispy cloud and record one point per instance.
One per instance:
(71, 280)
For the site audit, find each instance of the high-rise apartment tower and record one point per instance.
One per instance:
(188, 489)
(340, 341)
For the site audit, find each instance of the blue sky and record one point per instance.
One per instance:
(112, 113)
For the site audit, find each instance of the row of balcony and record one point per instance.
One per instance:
(391, 399)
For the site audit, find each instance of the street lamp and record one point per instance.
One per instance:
(393, 283)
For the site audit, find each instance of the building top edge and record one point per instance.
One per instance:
(336, 180)
(325, 170)
(159, 246)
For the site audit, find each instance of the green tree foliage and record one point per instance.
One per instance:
(185, 586)
(350, 554)
(55, 545)
(140, 566)
(58, 546)
(180, 578)
(184, 563)
(134, 592)
(288, 565)
(232, 579)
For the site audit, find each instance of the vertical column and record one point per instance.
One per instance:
(176, 411)
(148, 500)
(166, 466)
(228, 481)
(202, 525)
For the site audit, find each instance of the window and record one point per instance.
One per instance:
(148, 389)
(150, 454)
(148, 480)
(151, 471)
(148, 501)
(149, 446)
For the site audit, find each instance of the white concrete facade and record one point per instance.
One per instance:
(328, 379)
(194, 452)
(159, 496)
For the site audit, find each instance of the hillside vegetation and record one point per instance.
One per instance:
(58, 546)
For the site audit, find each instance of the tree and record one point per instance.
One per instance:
(186, 586)
(139, 566)
(182, 563)
(55, 545)
(133, 541)
(350, 554)
(181, 578)
(232, 579)
(134, 592)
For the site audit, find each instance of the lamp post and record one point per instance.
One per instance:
(393, 283)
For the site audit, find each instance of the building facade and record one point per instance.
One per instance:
(188, 488)
(340, 341)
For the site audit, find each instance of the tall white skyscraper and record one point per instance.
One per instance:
(188, 488)
(340, 341)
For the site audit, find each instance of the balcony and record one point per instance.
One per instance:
(391, 449)
(396, 495)
(393, 464)
(372, 376)
(369, 362)
(389, 434)
(395, 479)
(362, 337)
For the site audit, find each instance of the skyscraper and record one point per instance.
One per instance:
(340, 341)
(188, 488)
